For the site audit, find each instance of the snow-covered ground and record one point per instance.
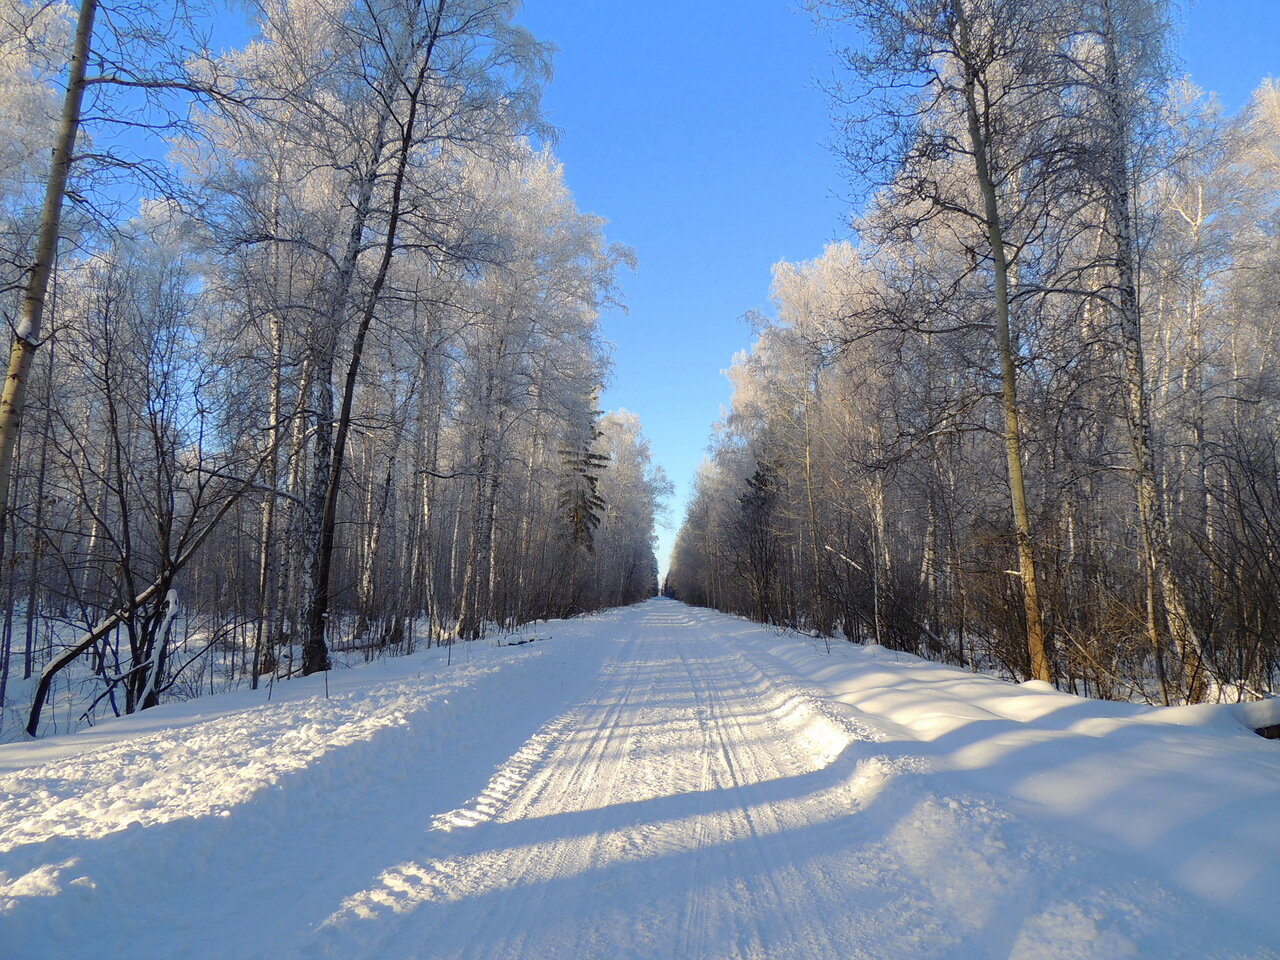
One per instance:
(653, 782)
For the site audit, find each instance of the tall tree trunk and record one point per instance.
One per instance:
(38, 534)
(27, 332)
(817, 601)
(382, 495)
(267, 553)
(1035, 629)
(289, 581)
(1157, 544)
(315, 650)
(315, 656)
(490, 543)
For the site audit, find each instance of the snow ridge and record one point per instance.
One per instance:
(509, 779)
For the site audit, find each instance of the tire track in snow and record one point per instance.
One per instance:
(694, 732)
(510, 778)
(590, 766)
(564, 762)
(656, 784)
(762, 740)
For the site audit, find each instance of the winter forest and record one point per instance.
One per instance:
(1027, 419)
(370, 589)
(305, 358)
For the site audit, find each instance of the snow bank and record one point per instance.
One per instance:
(225, 814)
(1190, 792)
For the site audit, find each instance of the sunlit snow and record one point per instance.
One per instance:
(651, 782)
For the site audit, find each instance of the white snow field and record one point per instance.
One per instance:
(651, 782)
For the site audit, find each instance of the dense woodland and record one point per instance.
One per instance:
(1029, 419)
(322, 378)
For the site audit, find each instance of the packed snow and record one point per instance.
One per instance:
(651, 782)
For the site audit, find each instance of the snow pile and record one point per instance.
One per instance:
(1191, 792)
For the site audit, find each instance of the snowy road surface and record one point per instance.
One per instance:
(654, 782)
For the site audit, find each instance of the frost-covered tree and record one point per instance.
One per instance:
(324, 398)
(862, 421)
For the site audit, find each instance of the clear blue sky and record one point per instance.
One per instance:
(699, 131)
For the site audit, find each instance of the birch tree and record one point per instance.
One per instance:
(967, 80)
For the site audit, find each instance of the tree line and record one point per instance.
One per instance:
(1027, 419)
(305, 351)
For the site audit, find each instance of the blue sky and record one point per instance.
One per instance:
(699, 131)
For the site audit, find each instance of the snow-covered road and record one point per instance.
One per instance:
(654, 782)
